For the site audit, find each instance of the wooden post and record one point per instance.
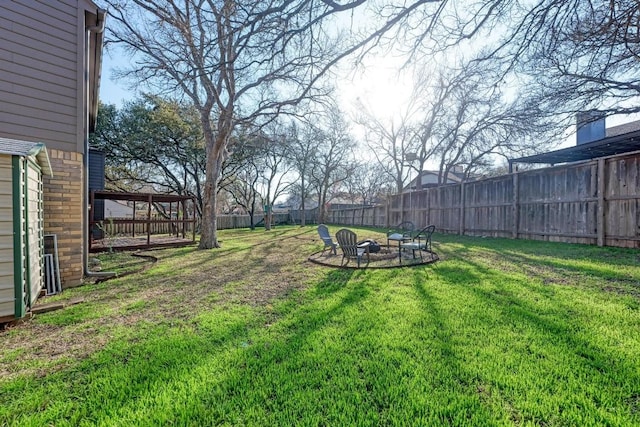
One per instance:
(600, 223)
(461, 217)
(133, 234)
(387, 210)
(150, 201)
(181, 218)
(92, 221)
(428, 193)
(193, 219)
(515, 208)
(171, 216)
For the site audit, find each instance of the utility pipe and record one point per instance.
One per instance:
(101, 15)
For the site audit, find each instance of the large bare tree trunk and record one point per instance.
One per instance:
(303, 216)
(215, 156)
(209, 230)
(268, 217)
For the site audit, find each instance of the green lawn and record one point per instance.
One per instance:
(498, 332)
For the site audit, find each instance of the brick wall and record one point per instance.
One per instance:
(63, 202)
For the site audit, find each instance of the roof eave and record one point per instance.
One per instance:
(605, 147)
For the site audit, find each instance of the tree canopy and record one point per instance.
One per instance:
(237, 61)
(566, 55)
(504, 71)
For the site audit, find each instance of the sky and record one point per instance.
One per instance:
(376, 83)
(378, 86)
(113, 91)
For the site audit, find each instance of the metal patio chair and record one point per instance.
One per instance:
(420, 242)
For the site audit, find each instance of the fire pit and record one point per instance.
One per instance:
(387, 257)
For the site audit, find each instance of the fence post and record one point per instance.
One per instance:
(600, 212)
(133, 231)
(193, 223)
(428, 207)
(150, 203)
(515, 206)
(461, 218)
(386, 217)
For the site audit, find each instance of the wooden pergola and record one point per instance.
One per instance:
(126, 238)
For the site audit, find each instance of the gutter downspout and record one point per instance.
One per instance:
(101, 15)
(97, 29)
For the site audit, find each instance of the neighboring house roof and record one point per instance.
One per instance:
(15, 147)
(430, 179)
(117, 209)
(121, 209)
(622, 129)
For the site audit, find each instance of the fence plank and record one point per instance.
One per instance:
(461, 214)
(600, 209)
(515, 207)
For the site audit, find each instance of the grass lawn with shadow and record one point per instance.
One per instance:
(497, 332)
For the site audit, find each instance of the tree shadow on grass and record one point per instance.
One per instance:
(249, 256)
(443, 332)
(540, 331)
(503, 294)
(596, 365)
(560, 255)
(608, 269)
(198, 373)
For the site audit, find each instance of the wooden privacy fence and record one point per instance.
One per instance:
(374, 216)
(124, 226)
(310, 216)
(593, 202)
(244, 221)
